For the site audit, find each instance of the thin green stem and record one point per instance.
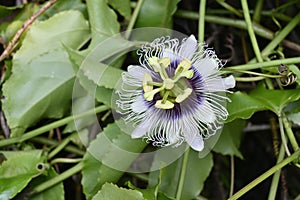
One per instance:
(249, 79)
(282, 135)
(258, 29)
(50, 126)
(231, 176)
(57, 179)
(251, 31)
(61, 146)
(133, 18)
(182, 174)
(201, 21)
(289, 132)
(65, 160)
(276, 176)
(266, 64)
(257, 11)
(254, 73)
(141, 177)
(68, 148)
(281, 35)
(265, 175)
(230, 8)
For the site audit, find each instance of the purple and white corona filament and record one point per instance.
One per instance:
(175, 94)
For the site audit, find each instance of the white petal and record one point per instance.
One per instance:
(188, 48)
(206, 66)
(139, 105)
(193, 138)
(205, 113)
(139, 131)
(197, 143)
(229, 82)
(136, 71)
(169, 53)
(219, 84)
(215, 84)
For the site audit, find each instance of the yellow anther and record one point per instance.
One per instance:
(153, 61)
(185, 64)
(187, 74)
(165, 62)
(147, 78)
(166, 105)
(187, 92)
(150, 94)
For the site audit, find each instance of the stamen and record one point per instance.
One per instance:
(150, 94)
(146, 87)
(160, 65)
(166, 105)
(165, 61)
(153, 61)
(184, 65)
(187, 92)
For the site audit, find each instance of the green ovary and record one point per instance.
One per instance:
(172, 89)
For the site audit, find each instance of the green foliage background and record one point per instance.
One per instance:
(42, 151)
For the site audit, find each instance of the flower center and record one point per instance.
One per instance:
(172, 89)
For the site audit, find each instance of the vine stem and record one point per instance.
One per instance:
(201, 21)
(276, 177)
(57, 179)
(265, 64)
(258, 29)
(65, 160)
(133, 18)
(281, 35)
(254, 73)
(230, 8)
(50, 126)
(265, 175)
(12, 44)
(60, 147)
(48, 141)
(231, 176)
(251, 31)
(182, 173)
(289, 132)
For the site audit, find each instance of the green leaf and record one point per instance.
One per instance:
(79, 106)
(230, 139)
(242, 106)
(67, 28)
(64, 5)
(198, 171)
(110, 191)
(293, 112)
(275, 100)
(157, 13)
(113, 148)
(96, 66)
(148, 194)
(103, 21)
(41, 82)
(151, 193)
(6, 11)
(56, 192)
(17, 171)
(122, 6)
